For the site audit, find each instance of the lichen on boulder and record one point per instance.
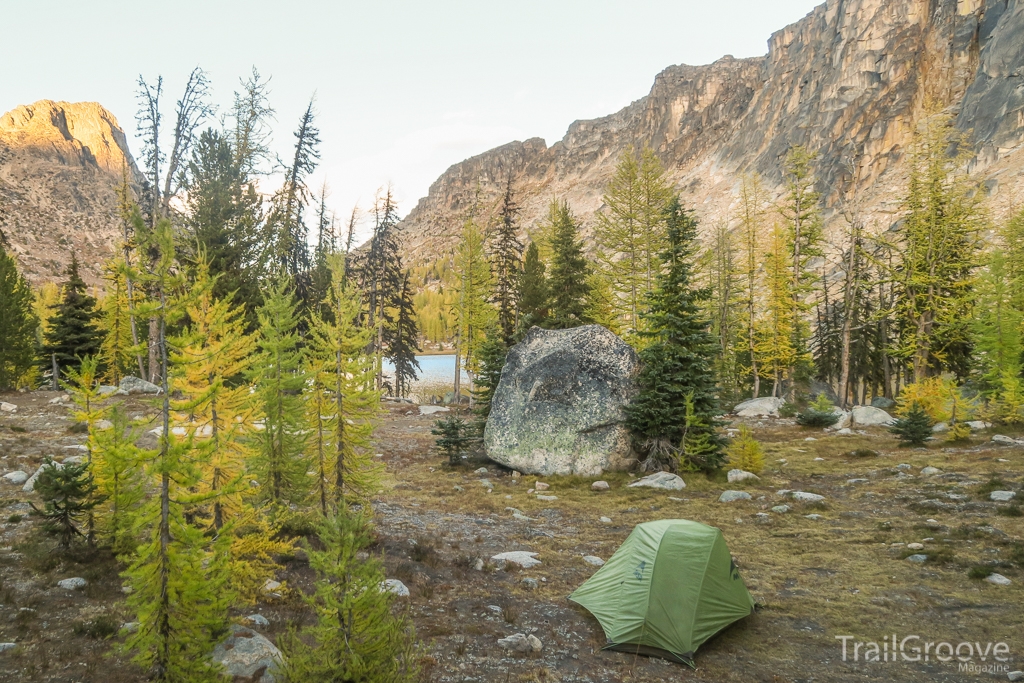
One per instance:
(560, 405)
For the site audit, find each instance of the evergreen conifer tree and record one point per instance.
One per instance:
(73, 333)
(493, 353)
(17, 323)
(356, 636)
(279, 462)
(69, 495)
(402, 340)
(452, 438)
(568, 283)
(507, 259)
(381, 275)
(534, 294)
(673, 416)
(914, 428)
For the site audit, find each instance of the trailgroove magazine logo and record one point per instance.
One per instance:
(972, 657)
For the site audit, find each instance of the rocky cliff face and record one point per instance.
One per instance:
(849, 81)
(60, 165)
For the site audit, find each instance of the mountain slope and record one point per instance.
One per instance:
(849, 81)
(60, 165)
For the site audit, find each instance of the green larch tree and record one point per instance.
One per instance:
(473, 285)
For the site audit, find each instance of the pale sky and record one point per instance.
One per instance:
(404, 89)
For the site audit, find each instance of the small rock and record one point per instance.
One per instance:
(940, 428)
(521, 643)
(868, 415)
(599, 486)
(257, 619)
(482, 470)
(805, 497)
(478, 565)
(814, 517)
(759, 407)
(106, 390)
(104, 424)
(74, 460)
(486, 483)
(762, 517)
(845, 431)
(930, 471)
(811, 438)
(856, 481)
(915, 546)
(430, 410)
(8, 407)
(541, 486)
(593, 560)
(819, 459)
(998, 579)
(529, 583)
(1002, 496)
(999, 438)
(271, 587)
(661, 480)
(741, 475)
(605, 520)
(4, 647)
(130, 626)
(17, 477)
(63, 398)
(547, 498)
(903, 466)
(458, 488)
(730, 496)
(522, 558)
(134, 385)
(73, 583)
(977, 425)
(917, 558)
(247, 655)
(1015, 675)
(516, 474)
(395, 586)
(781, 509)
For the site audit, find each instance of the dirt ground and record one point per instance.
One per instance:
(842, 573)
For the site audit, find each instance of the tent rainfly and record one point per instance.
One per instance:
(667, 589)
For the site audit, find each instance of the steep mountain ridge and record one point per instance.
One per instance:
(849, 81)
(60, 166)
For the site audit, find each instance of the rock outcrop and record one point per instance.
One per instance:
(849, 81)
(60, 166)
(559, 407)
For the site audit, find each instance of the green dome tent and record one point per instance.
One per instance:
(668, 588)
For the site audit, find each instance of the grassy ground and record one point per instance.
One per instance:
(814, 579)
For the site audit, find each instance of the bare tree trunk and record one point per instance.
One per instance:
(849, 311)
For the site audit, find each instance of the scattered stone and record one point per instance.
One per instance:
(805, 497)
(915, 546)
(134, 385)
(559, 407)
(741, 475)
(845, 431)
(547, 498)
(759, 407)
(17, 477)
(940, 427)
(73, 583)
(395, 586)
(903, 466)
(978, 425)
(1002, 496)
(486, 483)
(819, 459)
(917, 558)
(247, 655)
(599, 486)
(883, 403)
(605, 520)
(541, 486)
(814, 517)
(4, 647)
(106, 390)
(811, 438)
(104, 424)
(998, 579)
(781, 509)
(257, 620)
(530, 583)
(730, 496)
(130, 626)
(661, 480)
(271, 587)
(762, 517)
(482, 470)
(63, 398)
(593, 560)
(8, 407)
(843, 421)
(856, 481)
(999, 438)
(431, 410)
(519, 557)
(930, 471)
(458, 488)
(1015, 675)
(868, 415)
(521, 643)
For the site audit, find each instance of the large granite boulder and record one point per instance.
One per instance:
(559, 407)
(247, 655)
